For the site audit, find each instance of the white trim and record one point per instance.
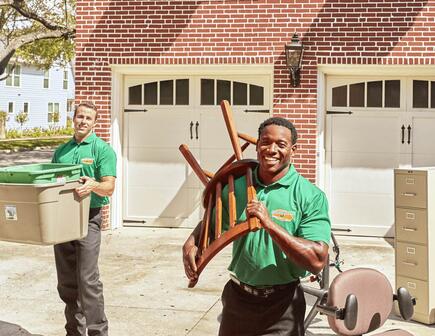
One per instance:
(377, 70)
(119, 73)
(116, 137)
(321, 121)
(197, 69)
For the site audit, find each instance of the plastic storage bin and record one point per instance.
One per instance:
(41, 173)
(42, 214)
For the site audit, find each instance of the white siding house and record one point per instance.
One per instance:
(40, 93)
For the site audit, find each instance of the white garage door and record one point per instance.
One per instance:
(373, 126)
(161, 113)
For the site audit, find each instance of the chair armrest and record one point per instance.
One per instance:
(349, 313)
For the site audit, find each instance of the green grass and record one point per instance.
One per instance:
(29, 144)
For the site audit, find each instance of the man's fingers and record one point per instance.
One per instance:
(189, 261)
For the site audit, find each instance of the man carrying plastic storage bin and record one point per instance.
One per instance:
(77, 261)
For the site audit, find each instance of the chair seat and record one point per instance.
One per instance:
(394, 332)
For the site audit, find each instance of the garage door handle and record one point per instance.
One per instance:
(409, 134)
(403, 133)
(196, 129)
(191, 130)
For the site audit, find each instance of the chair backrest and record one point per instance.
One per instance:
(375, 299)
(209, 245)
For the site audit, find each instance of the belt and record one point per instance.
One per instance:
(263, 291)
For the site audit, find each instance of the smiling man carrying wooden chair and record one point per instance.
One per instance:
(289, 234)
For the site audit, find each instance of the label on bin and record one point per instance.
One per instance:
(61, 179)
(11, 212)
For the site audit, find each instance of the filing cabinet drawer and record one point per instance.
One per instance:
(418, 289)
(411, 260)
(411, 225)
(411, 190)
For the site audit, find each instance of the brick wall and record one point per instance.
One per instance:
(250, 32)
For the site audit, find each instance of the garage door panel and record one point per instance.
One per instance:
(423, 149)
(364, 209)
(383, 160)
(363, 180)
(214, 133)
(360, 133)
(365, 147)
(158, 128)
(159, 167)
(164, 202)
(423, 160)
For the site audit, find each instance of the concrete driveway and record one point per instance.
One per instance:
(145, 288)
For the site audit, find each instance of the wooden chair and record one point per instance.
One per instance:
(235, 167)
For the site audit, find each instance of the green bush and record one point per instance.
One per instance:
(39, 132)
(22, 118)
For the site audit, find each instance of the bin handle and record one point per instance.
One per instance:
(45, 185)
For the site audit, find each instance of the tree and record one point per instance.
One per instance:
(3, 119)
(37, 32)
(22, 118)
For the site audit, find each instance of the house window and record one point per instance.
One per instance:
(182, 92)
(256, 95)
(423, 94)
(14, 75)
(70, 106)
(240, 93)
(236, 93)
(207, 91)
(339, 96)
(26, 107)
(65, 79)
(164, 92)
(167, 92)
(357, 94)
(53, 112)
(46, 83)
(11, 107)
(382, 94)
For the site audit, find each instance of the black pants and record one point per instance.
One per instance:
(244, 314)
(79, 283)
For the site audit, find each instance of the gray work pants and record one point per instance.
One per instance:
(78, 281)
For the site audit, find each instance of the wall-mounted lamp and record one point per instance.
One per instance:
(293, 58)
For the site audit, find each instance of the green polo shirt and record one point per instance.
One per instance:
(293, 203)
(97, 158)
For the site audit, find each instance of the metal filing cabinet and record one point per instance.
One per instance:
(415, 238)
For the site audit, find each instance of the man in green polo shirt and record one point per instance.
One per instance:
(264, 296)
(77, 261)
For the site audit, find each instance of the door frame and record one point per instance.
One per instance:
(119, 72)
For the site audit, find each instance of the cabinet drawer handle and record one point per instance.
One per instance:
(408, 229)
(408, 194)
(409, 263)
(410, 180)
(411, 285)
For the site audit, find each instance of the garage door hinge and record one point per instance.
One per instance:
(130, 110)
(257, 111)
(338, 112)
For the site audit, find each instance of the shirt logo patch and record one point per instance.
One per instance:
(87, 161)
(282, 215)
